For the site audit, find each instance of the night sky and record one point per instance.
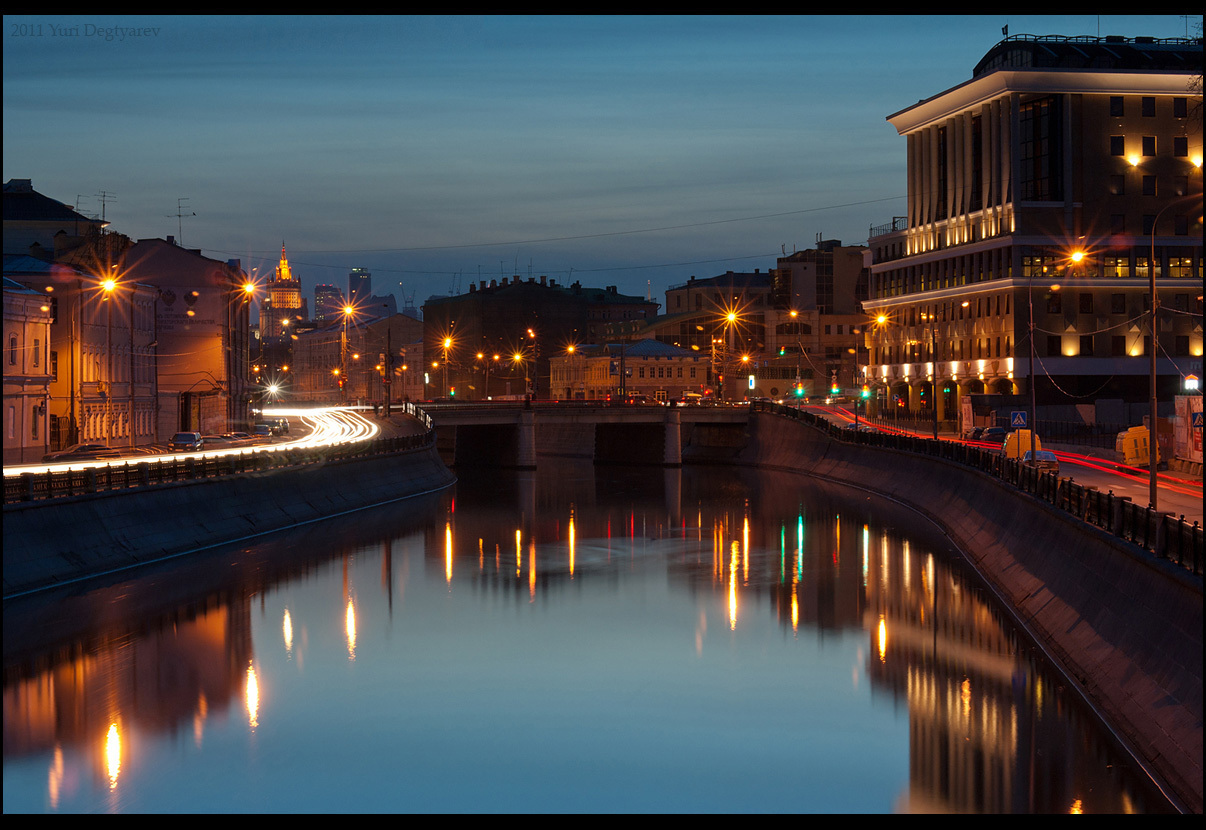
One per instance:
(438, 151)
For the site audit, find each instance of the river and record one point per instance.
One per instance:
(575, 639)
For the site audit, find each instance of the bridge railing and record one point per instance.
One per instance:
(55, 484)
(1162, 534)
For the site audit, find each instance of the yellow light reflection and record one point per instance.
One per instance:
(349, 625)
(883, 639)
(532, 570)
(113, 755)
(252, 698)
(733, 554)
(965, 697)
(448, 551)
(1077, 808)
(54, 782)
(571, 544)
(518, 553)
(287, 632)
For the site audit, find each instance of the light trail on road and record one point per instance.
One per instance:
(329, 426)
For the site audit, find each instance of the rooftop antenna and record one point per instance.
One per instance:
(180, 213)
(105, 197)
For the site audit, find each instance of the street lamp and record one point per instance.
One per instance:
(342, 374)
(1154, 302)
(447, 344)
(109, 286)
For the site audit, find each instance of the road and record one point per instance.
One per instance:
(1178, 494)
(319, 426)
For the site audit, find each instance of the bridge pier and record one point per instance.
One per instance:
(526, 440)
(673, 454)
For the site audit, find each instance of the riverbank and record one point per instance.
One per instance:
(55, 542)
(1126, 628)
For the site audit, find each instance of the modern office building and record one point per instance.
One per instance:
(328, 303)
(360, 286)
(1065, 177)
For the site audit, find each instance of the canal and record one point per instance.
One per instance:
(566, 640)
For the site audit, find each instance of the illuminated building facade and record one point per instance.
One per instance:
(283, 305)
(1058, 177)
(203, 330)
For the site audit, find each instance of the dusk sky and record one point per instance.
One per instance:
(437, 151)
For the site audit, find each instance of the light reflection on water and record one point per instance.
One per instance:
(631, 640)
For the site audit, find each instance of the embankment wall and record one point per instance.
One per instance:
(1125, 626)
(52, 542)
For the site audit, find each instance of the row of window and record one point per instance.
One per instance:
(1148, 145)
(1147, 106)
(1085, 302)
(1121, 345)
(665, 371)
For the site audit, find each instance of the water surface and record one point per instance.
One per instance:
(569, 640)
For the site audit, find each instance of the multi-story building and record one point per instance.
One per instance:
(647, 367)
(525, 322)
(102, 352)
(360, 286)
(282, 306)
(27, 373)
(1064, 177)
(328, 304)
(203, 330)
(362, 357)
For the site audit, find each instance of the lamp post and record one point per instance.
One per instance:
(1154, 302)
(109, 285)
(348, 311)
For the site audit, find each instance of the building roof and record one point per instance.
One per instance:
(1100, 54)
(24, 204)
(654, 348)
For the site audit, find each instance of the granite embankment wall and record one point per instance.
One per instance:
(48, 543)
(1126, 626)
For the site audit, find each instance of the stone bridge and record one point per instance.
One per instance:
(513, 435)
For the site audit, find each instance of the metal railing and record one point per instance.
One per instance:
(1162, 534)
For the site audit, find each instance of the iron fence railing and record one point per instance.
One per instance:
(1162, 534)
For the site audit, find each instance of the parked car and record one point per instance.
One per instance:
(81, 452)
(993, 434)
(974, 433)
(262, 431)
(186, 442)
(1044, 460)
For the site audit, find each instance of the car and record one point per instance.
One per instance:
(993, 434)
(81, 452)
(187, 442)
(974, 433)
(1044, 460)
(262, 431)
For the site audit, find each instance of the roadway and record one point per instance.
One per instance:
(1176, 493)
(314, 427)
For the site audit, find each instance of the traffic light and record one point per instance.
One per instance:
(799, 390)
(835, 389)
(866, 391)
(452, 392)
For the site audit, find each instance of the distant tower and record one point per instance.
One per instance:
(328, 300)
(360, 286)
(284, 300)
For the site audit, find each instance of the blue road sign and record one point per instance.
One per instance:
(1017, 419)
(1196, 420)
